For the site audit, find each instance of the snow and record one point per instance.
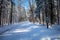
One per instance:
(30, 31)
(46, 38)
(8, 27)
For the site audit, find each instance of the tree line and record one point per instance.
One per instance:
(39, 10)
(47, 8)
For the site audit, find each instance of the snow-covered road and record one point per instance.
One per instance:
(31, 31)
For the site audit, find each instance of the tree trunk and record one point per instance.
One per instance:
(43, 17)
(11, 11)
(1, 10)
(58, 11)
(51, 12)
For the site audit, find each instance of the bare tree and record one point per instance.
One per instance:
(58, 11)
(1, 3)
(11, 11)
(31, 5)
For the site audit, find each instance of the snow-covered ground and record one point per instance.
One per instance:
(31, 31)
(8, 27)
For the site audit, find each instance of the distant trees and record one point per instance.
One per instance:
(51, 9)
(5, 13)
(21, 10)
(40, 10)
(31, 10)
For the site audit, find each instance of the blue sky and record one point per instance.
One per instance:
(25, 4)
(15, 2)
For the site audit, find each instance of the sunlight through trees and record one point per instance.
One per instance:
(14, 11)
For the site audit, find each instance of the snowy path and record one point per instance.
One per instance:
(30, 31)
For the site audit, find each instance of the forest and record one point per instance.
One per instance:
(37, 11)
